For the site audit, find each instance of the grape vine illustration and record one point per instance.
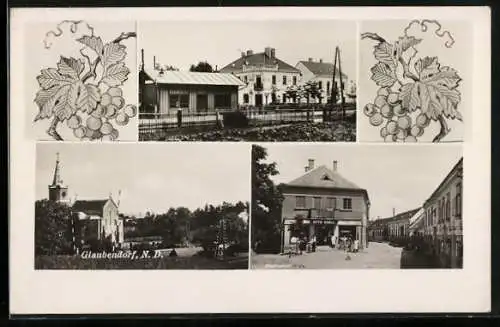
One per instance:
(412, 92)
(86, 93)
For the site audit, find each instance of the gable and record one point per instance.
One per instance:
(324, 178)
(256, 60)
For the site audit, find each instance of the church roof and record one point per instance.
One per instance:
(323, 177)
(256, 60)
(90, 207)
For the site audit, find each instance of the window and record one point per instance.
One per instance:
(295, 80)
(222, 100)
(347, 204)
(328, 86)
(320, 85)
(316, 202)
(246, 98)
(331, 203)
(274, 79)
(458, 200)
(300, 202)
(284, 79)
(179, 100)
(245, 78)
(447, 207)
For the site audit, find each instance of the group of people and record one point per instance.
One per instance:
(346, 243)
(302, 244)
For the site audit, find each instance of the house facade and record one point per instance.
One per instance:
(92, 219)
(322, 73)
(443, 219)
(321, 203)
(265, 77)
(393, 228)
(167, 92)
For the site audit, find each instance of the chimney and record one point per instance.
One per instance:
(249, 52)
(321, 61)
(267, 51)
(311, 164)
(310, 59)
(273, 53)
(335, 165)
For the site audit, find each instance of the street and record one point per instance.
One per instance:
(377, 255)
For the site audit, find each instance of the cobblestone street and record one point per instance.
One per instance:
(377, 255)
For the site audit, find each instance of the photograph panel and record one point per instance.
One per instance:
(415, 80)
(81, 80)
(141, 206)
(255, 84)
(321, 207)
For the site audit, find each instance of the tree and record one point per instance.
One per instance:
(52, 228)
(312, 91)
(266, 204)
(201, 67)
(158, 66)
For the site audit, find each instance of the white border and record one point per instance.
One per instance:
(63, 292)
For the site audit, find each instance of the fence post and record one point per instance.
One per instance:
(179, 118)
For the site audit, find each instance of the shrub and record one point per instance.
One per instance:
(235, 119)
(52, 228)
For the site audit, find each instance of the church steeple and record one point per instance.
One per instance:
(57, 191)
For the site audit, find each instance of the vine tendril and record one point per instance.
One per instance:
(438, 31)
(58, 31)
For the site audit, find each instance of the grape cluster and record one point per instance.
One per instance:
(397, 123)
(98, 124)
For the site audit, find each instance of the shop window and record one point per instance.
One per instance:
(222, 100)
(300, 202)
(179, 100)
(347, 204)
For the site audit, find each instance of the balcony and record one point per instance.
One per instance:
(258, 87)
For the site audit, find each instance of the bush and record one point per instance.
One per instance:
(52, 228)
(235, 119)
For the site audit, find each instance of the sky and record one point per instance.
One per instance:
(151, 176)
(396, 176)
(181, 44)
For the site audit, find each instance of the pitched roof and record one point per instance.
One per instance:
(196, 78)
(325, 178)
(320, 68)
(90, 207)
(256, 60)
(403, 215)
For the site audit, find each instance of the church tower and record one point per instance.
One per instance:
(57, 191)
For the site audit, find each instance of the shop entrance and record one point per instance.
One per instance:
(323, 234)
(348, 231)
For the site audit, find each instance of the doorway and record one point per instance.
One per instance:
(201, 103)
(258, 100)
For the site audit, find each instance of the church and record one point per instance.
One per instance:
(93, 220)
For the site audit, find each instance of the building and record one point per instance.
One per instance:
(323, 203)
(395, 228)
(266, 77)
(93, 220)
(165, 92)
(443, 219)
(322, 73)
(416, 227)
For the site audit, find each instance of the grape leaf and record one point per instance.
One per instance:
(112, 53)
(383, 74)
(70, 67)
(435, 93)
(115, 75)
(95, 43)
(88, 97)
(384, 52)
(407, 42)
(62, 92)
